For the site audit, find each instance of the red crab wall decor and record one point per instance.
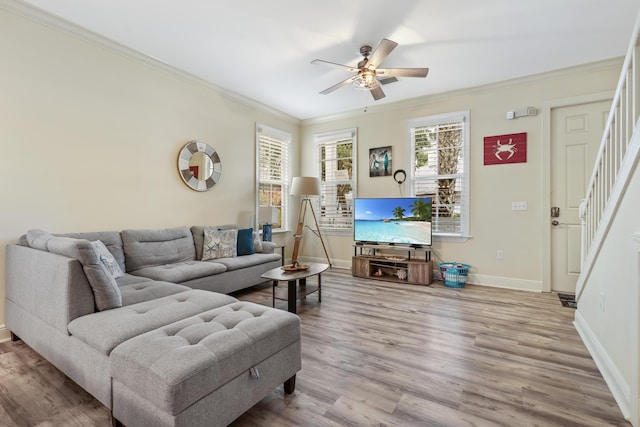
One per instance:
(502, 149)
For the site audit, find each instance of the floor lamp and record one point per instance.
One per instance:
(305, 186)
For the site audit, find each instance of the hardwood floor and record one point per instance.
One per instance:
(386, 354)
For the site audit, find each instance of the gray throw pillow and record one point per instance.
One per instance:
(38, 239)
(105, 289)
(219, 244)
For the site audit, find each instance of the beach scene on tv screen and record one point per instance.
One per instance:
(394, 220)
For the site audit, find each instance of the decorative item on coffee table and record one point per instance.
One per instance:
(296, 266)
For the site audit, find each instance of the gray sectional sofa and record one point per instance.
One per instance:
(146, 326)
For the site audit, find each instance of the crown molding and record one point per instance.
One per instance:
(40, 16)
(57, 23)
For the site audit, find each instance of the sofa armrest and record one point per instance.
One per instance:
(268, 247)
(49, 286)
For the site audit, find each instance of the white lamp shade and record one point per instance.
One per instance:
(305, 186)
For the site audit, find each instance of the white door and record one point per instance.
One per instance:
(576, 133)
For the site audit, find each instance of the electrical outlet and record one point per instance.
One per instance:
(602, 301)
(500, 254)
(518, 206)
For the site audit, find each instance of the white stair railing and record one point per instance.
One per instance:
(616, 158)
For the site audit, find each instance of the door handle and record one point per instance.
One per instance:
(555, 223)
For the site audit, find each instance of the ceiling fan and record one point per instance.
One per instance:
(368, 76)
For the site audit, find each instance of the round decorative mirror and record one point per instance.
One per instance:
(199, 166)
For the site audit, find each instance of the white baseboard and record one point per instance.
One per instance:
(500, 282)
(5, 334)
(619, 388)
(505, 282)
(334, 263)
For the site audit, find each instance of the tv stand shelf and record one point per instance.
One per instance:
(392, 268)
(374, 249)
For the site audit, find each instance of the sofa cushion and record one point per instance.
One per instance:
(130, 279)
(105, 289)
(149, 248)
(219, 244)
(177, 365)
(245, 242)
(197, 231)
(106, 329)
(247, 260)
(181, 271)
(111, 240)
(147, 289)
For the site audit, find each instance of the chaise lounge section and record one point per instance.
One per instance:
(182, 374)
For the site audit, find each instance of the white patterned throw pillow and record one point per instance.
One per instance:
(257, 242)
(107, 259)
(219, 244)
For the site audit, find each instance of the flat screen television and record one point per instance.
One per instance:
(395, 220)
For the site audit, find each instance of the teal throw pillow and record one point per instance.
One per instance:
(245, 241)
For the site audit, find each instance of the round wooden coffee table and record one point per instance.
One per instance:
(297, 283)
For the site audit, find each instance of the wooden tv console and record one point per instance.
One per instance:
(379, 265)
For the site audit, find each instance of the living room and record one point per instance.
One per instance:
(91, 135)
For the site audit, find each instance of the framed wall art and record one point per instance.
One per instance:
(380, 161)
(503, 149)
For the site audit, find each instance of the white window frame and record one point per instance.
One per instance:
(441, 119)
(285, 139)
(323, 139)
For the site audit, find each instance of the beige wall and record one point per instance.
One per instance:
(493, 225)
(90, 138)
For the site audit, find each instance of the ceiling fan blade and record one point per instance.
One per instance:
(377, 93)
(384, 48)
(402, 72)
(339, 85)
(334, 65)
(387, 80)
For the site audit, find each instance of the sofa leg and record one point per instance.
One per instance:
(115, 422)
(14, 337)
(290, 385)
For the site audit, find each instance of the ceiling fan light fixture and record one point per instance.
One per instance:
(366, 80)
(366, 75)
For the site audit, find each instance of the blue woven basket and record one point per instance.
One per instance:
(454, 274)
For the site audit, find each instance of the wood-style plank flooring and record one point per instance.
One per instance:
(386, 354)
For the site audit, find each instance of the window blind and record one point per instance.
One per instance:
(335, 152)
(273, 177)
(439, 170)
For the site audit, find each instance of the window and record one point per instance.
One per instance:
(439, 169)
(273, 176)
(336, 166)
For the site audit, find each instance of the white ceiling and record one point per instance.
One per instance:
(262, 49)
